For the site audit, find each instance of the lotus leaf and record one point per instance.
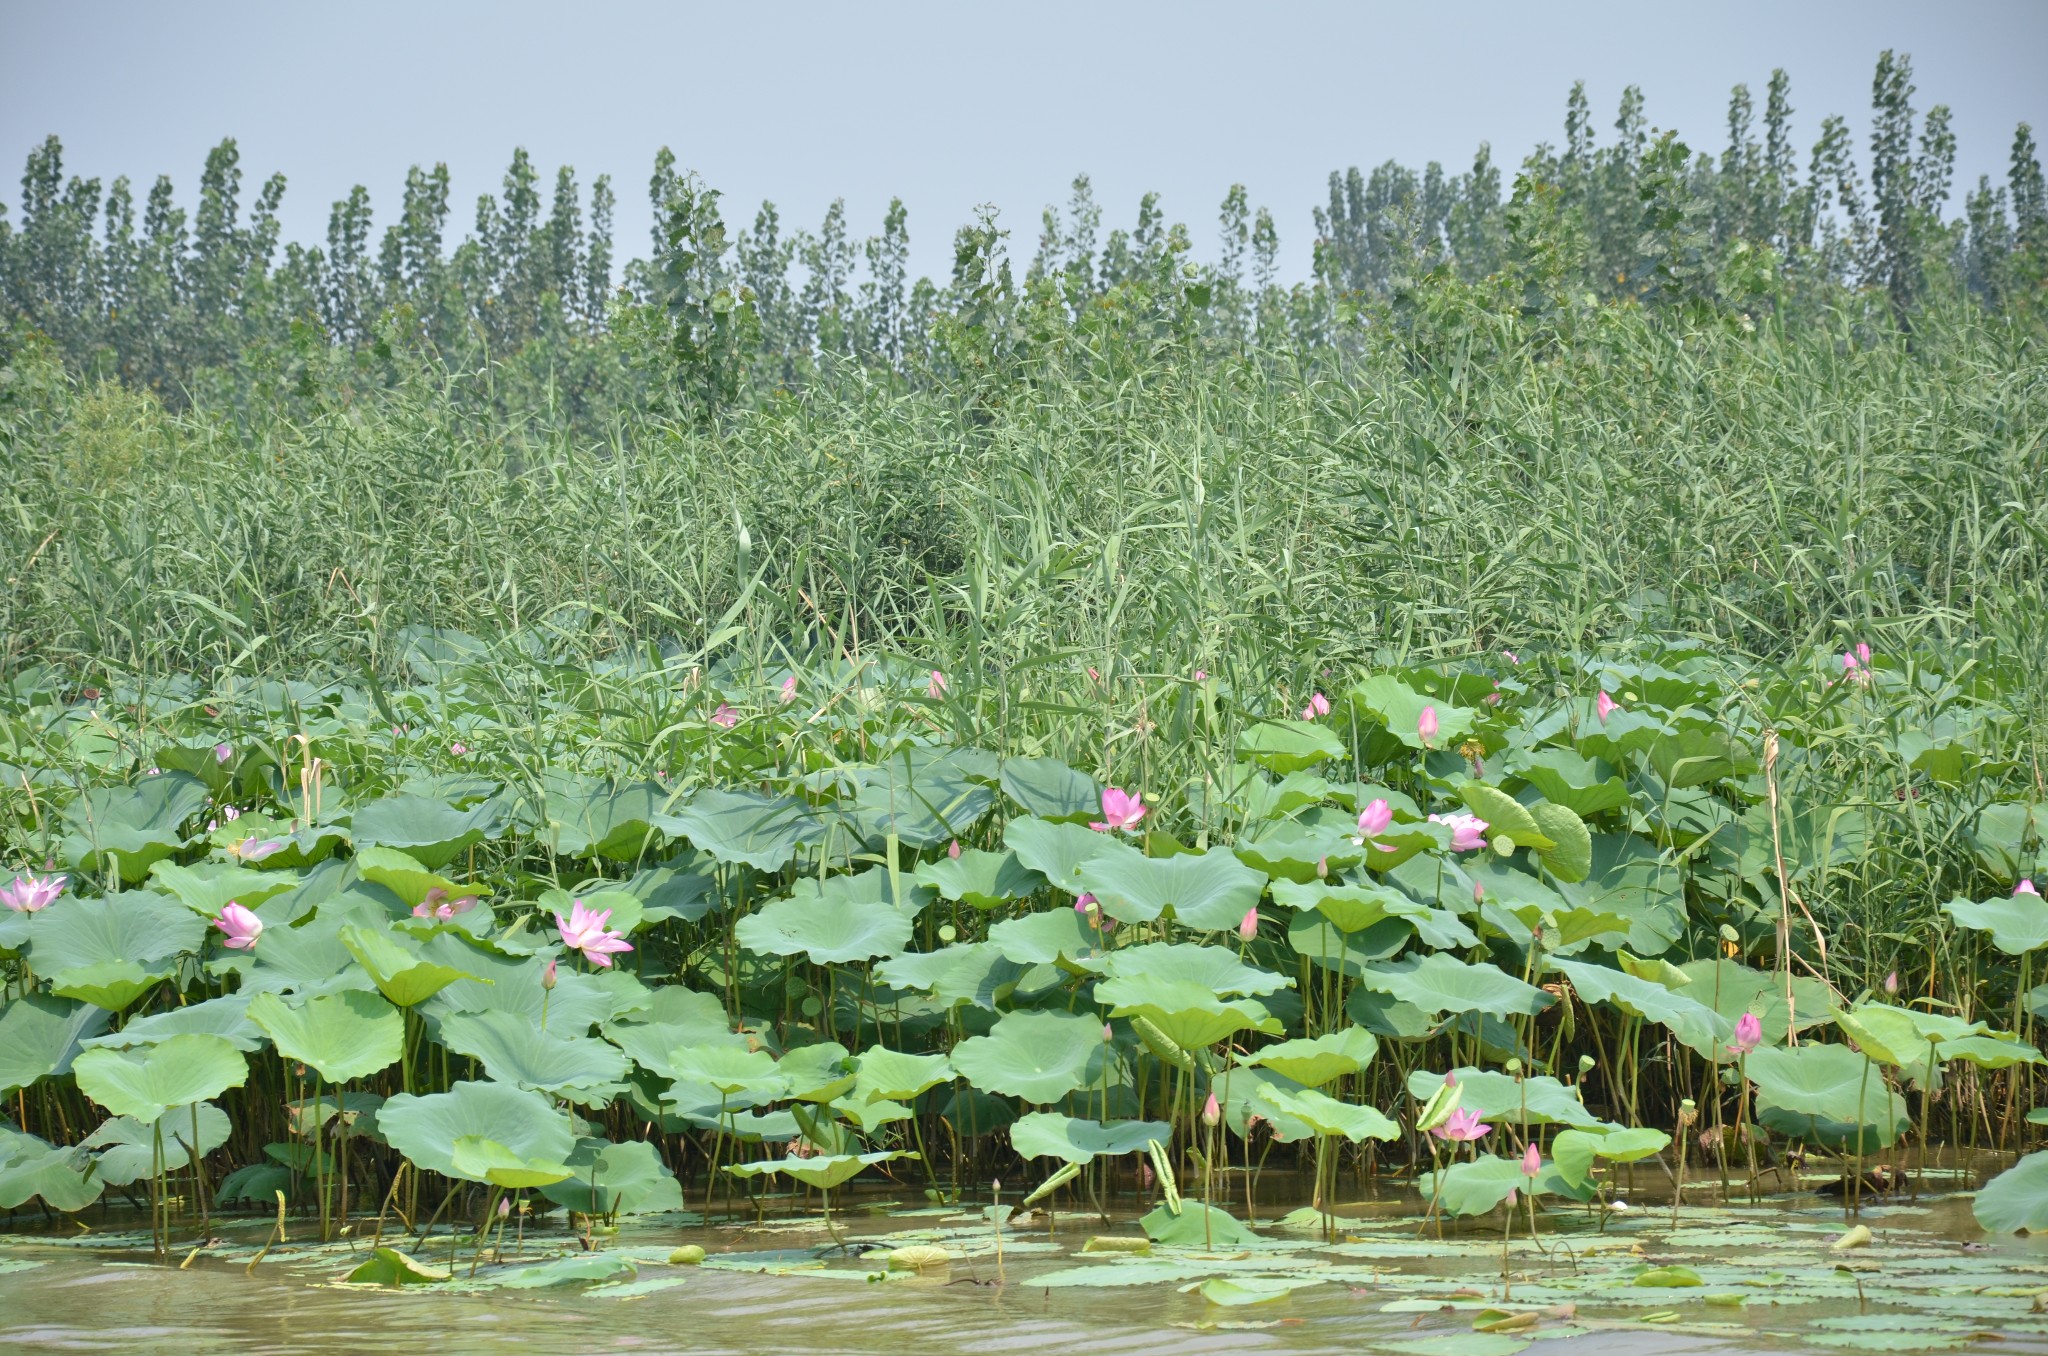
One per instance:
(1049, 789)
(1049, 936)
(1190, 1014)
(1196, 1225)
(425, 1129)
(513, 1050)
(129, 1147)
(209, 887)
(31, 1167)
(2015, 1201)
(1289, 745)
(1326, 1115)
(137, 926)
(401, 972)
(889, 1075)
(1298, 852)
(1825, 1093)
(744, 828)
(342, 1036)
(41, 1035)
(1316, 1061)
(478, 1157)
(1698, 1027)
(1215, 968)
(823, 1072)
(1057, 851)
(983, 880)
(1439, 983)
(1392, 704)
(628, 1179)
(1575, 1150)
(1208, 891)
(730, 1070)
(825, 931)
(1584, 786)
(1037, 1056)
(823, 1171)
(429, 831)
(389, 1266)
(133, 826)
(2017, 923)
(1495, 1096)
(142, 1082)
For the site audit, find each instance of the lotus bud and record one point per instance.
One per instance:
(223, 752)
(1248, 926)
(1108, 1035)
(1478, 892)
(1426, 724)
(504, 1206)
(1891, 984)
(1532, 1160)
(547, 976)
(1212, 1113)
(1514, 1198)
(1322, 868)
(953, 850)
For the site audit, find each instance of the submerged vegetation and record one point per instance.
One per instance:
(1110, 741)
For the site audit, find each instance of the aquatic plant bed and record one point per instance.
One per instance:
(520, 953)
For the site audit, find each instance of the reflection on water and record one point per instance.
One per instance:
(84, 1298)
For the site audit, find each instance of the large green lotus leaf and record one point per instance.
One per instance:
(1315, 939)
(1259, 799)
(1505, 815)
(904, 892)
(1497, 1096)
(825, 931)
(404, 876)
(1814, 838)
(429, 831)
(1296, 852)
(1289, 745)
(685, 887)
(966, 972)
(1190, 1014)
(892, 1076)
(1891, 1036)
(675, 1017)
(112, 985)
(1045, 1134)
(622, 1179)
(1315, 1061)
(425, 1129)
(1049, 936)
(1057, 851)
(514, 1050)
(1627, 877)
(1049, 789)
(299, 845)
(1208, 891)
(1325, 1115)
(142, 1082)
(133, 826)
(128, 1147)
(389, 1266)
(1479, 1185)
(731, 1070)
(341, 1036)
(2018, 924)
(209, 887)
(821, 1072)
(480, 1158)
(744, 828)
(306, 958)
(399, 968)
(2015, 1201)
(1698, 1027)
(984, 880)
(508, 983)
(1731, 989)
(135, 925)
(1824, 1093)
(1571, 857)
(1585, 786)
(31, 1167)
(1196, 1226)
(933, 805)
(1215, 968)
(41, 1035)
(1037, 1056)
(1694, 753)
(1439, 983)
(1575, 1150)
(1387, 701)
(592, 817)
(1990, 1052)
(823, 1171)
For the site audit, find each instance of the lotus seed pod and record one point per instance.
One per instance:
(1586, 1064)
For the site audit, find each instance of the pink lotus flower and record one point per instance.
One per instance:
(223, 752)
(725, 717)
(438, 906)
(1120, 810)
(32, 893)
(1493, 699)
(789, 689)
(1468, 831)
(1856, 663)
(584, 930)
(1749, 1034)
(936, 688)
(1248, 926)
(2026, 887)
(256, 849)
(1462, 1127)
(1375, 819)
(1201, 675)
(953, 850)
(458, 748)
(1606, 706)
(1211, 1112)
(1511, 656)
(1086, 904)
(1532, 1160)
(1093, 676)
(1426, 724)
(241, 925)
(1318, 705)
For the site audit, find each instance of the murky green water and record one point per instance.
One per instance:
(1768, 1281)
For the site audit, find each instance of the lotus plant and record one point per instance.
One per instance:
(253, 849)
(789, 689)
(1374, 820)
(223, 752)
(1248, 926)
(439, 907)
(1468, 831)
(584, 930)
(1318, 705)
(2025, 887)
(32, 893)
(1121, 809)
(1605, 706)
(725, 717)
(241, 925)
(1426, 725)
(1462, 1127)
(936, 687)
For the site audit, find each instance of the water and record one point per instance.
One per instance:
(1928, 1264)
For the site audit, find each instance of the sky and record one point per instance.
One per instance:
(949, 105)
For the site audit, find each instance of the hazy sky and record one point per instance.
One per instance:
(948, 105)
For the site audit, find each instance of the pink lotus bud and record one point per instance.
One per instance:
(1212, 1113)
(1375, 819)
(1493, 699)
(789, 689)
(1426, 724)
(1478, 892)
(1891, 984)
(223, 752)
(1107, 1034)
(458, 748)
(1606, 706)
(2026, 887)
(953, 850)
(547, 976)
(1318, 705)
(504, 1206)
(1512, 657)
(1322, 868)
(1514, 1198)
(1248, 926)
(1201, 675)
(1749, 1033)
(936, 688)
(1532, 1160)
